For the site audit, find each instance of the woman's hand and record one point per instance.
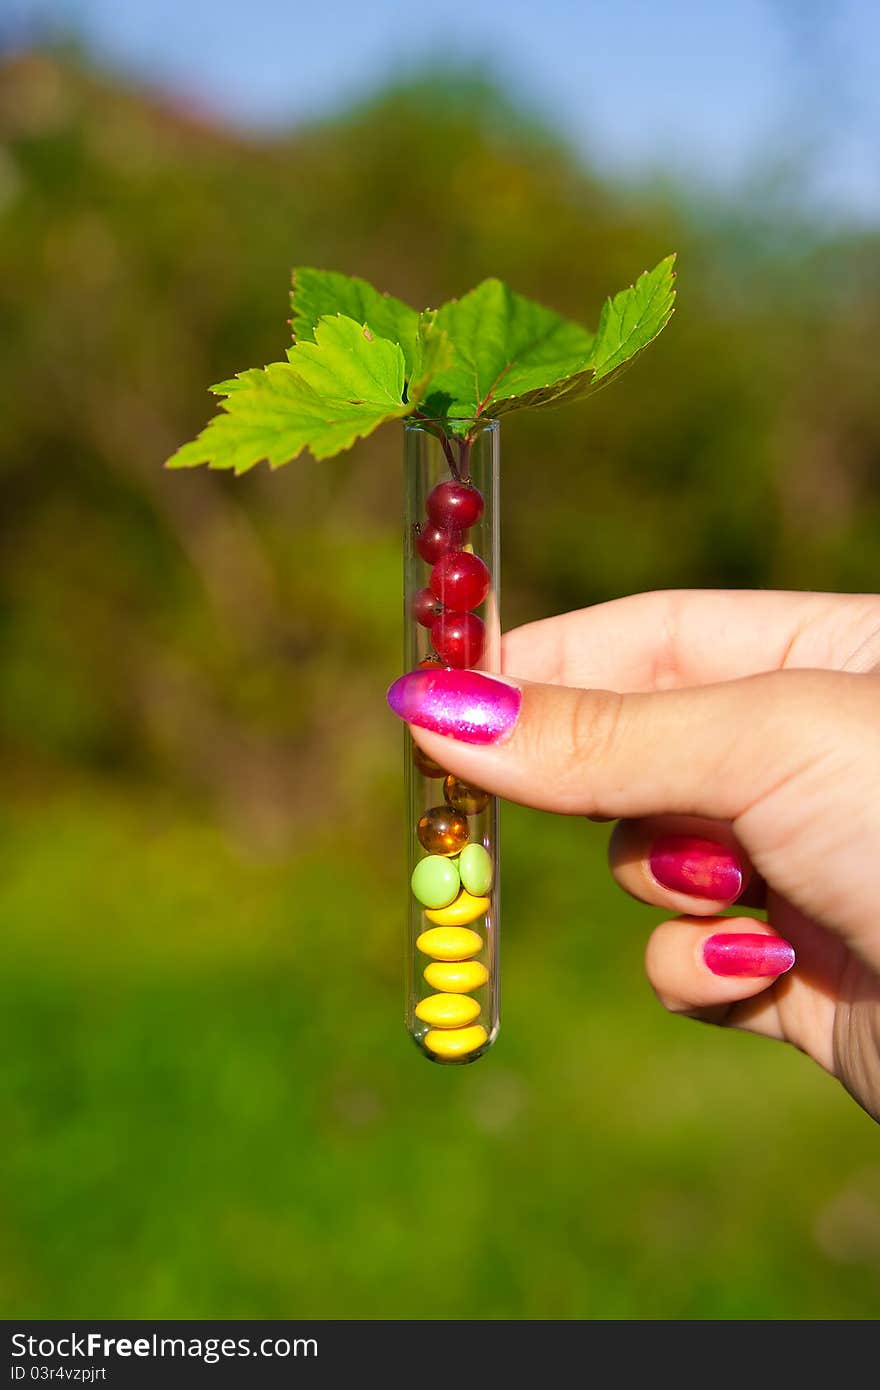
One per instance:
(735, 737)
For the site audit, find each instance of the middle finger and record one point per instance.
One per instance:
(685, 863)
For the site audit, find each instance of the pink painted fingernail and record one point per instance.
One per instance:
(464, 704)
(747, 953)
(700, 868)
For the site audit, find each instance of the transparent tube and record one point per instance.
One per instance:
(451, 556)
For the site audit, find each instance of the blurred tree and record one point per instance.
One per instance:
(192, 628)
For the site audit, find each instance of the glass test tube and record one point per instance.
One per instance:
(451, 619)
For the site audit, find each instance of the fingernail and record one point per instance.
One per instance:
(747, 953)
(700, 868)
(464, 704)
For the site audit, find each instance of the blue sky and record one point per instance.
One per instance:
(710, 88)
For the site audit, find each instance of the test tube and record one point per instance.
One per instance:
(451, 619)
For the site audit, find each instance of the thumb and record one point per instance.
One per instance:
(776, 755)
(711, 751)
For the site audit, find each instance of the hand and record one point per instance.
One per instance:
(735, 737)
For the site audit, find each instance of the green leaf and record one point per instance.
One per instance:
(485, 354)
(433, 354)
(329, 393)
(506, 347)
(317, 293)
(633, 318)
(511, 353)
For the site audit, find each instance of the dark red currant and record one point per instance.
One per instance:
(452, 504)
(434, 541)
(460, 580)
(425, 607)
(458, 638)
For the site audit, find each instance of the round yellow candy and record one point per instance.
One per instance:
(456, 977)
(449, 943)
(448, 1010)
(455, 1042)
(464, 909)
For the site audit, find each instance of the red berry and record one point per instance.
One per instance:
(458, 638)
(425, 607)
(435, 541)
(460, 580)
(454, 504)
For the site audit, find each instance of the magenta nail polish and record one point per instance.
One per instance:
(463, 704)
(700, 868)
(748, 954)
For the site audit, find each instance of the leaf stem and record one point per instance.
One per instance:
(445, 443)
(464, 458)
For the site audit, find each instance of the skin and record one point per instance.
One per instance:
(748, 719)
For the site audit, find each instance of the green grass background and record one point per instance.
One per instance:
(212, 1108)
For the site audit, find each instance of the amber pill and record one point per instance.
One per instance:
(426, 766)
(461, 796)
(443, 830)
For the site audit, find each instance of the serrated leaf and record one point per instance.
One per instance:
(234, 383)
(329, 393)
(506, 347)
(630, 320)
(486, 354)
(633, 318)
(317, 293)
(511, 353)
(347, 358)
(433, 354)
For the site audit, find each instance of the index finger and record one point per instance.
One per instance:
(687, 637)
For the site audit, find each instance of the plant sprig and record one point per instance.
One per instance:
(360, 358)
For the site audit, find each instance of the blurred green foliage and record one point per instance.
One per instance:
(209, 1104)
